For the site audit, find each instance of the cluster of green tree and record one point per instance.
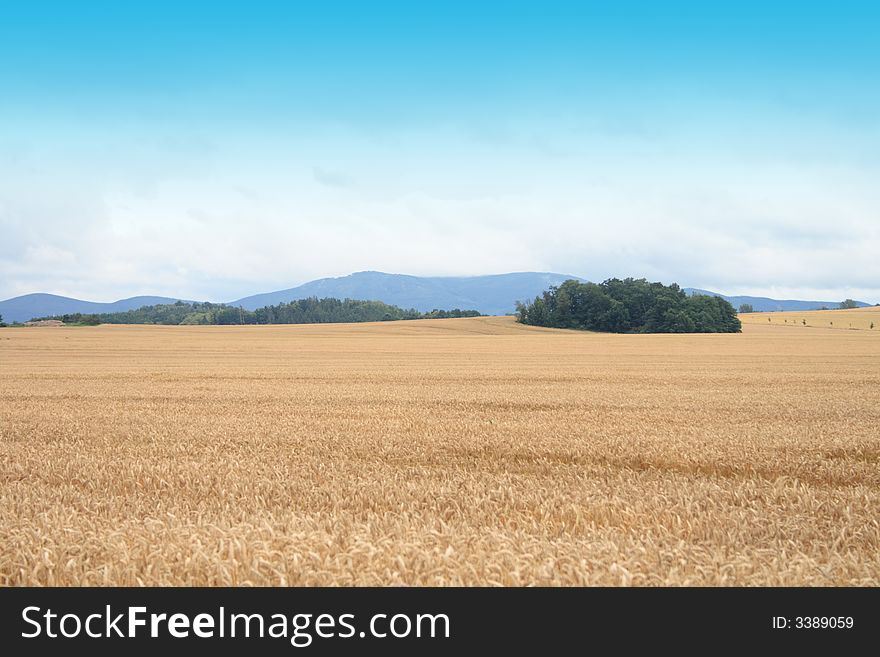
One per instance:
(746, 308)
(164, 314)
(302, 311)
(74, 319)
(629, 306)
(450, 314)
(317, 311)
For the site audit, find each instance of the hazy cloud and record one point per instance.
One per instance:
(220, 218)
(333, 178)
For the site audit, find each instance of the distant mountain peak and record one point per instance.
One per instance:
(766, 304)
(490, 294)
(28, 306)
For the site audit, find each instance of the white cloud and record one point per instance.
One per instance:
(214, 217)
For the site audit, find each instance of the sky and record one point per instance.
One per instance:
(210, 150)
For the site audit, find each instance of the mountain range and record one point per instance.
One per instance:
(492, 295)
(28, 306)
(766, 304)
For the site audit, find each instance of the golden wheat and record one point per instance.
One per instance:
(441, 452)
(860, 319)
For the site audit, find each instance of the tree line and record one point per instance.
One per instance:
(629, 306)
(302, 311)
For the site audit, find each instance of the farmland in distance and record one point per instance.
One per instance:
(860, 319)
(439, 452)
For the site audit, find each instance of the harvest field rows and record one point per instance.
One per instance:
(438, 452)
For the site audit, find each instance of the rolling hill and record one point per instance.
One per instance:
(491, 295)
(765, 304)
(23, 308)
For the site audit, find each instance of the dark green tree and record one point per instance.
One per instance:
(629, 306)
(302, 311)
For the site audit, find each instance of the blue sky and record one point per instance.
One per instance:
(215, 149)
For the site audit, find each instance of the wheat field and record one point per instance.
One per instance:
(438, 452)
(860, 319)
